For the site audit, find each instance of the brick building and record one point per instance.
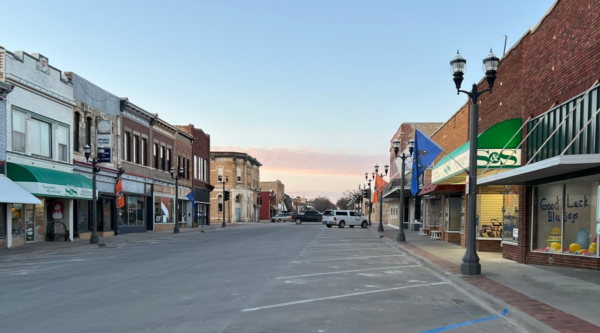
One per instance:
(391, 195)
(201, 174)
(544, 211)
(278, 189)
(243, 172)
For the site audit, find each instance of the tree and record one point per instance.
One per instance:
(322, 204)
(347, 196)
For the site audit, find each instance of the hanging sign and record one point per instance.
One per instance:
(105, 140)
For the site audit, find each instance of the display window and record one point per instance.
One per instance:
(565, 219)
(489, 212)
(132, 214)
(164, 209)
(510, 214)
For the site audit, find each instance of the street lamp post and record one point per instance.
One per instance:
(180, 174)
(411, 146)
(470, 262)
(95, 161)
(380, 227)
(369, 192)
(226, 180)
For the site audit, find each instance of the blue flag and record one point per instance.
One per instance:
(425, 153)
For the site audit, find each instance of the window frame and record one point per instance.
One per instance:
(24, 133)
(58, 153)
(76, 121)
(34, 119)
(127, 147)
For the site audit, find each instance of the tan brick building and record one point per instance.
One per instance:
(278, 189)
(243, 172)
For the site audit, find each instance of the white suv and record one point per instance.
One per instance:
(343, 218)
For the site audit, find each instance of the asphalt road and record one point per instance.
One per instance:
(257, 278)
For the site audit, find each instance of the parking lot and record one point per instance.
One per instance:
(279, 277)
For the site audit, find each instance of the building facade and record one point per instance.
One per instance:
(201, 174)
(96, 120)
(278, 189)
(39, 122)
(243, 172)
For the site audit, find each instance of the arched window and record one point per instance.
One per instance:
(88, 131)
(239, 174)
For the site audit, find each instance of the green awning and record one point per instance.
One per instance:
(494, 151)
(50, 183)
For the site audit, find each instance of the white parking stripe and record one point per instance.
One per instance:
(347, 258)
(346, 250)
(341, 272)
(341, 296)
(310, 245)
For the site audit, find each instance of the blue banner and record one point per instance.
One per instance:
(425, 153)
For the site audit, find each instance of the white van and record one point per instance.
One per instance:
(343, 218)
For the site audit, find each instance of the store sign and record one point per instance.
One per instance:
(105, 140)
(53, 190)
(58, 210)
(486, 158)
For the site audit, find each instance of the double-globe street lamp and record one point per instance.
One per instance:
(180, 174)
(470, 262)
(226, 180)
(369, 192)
(87, 151)
(411, 146)
(380, 196)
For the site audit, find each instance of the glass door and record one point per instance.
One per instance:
(29, 223)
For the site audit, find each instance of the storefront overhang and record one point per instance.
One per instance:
(441, 189)
(497, 148)
(392, 190)
(10, 192)
(50, 183)
(549, 170)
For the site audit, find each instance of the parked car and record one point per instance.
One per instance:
(308, 216)
(343, 218)
(280, 217)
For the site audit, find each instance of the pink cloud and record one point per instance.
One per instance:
(310, 161)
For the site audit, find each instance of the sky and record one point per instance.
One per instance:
(314, 89)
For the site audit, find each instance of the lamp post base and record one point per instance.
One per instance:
(176, 230)
(380, 228)
(401, 238)
(223, 225)
(95, 240)
(470, 268)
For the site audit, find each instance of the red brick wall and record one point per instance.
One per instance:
(183, 150)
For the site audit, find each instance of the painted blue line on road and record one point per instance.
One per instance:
(466, 323)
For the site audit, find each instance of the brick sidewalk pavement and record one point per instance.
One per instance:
(490, 291)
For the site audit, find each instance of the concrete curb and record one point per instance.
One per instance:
(515, 316)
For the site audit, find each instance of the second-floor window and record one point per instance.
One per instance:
(136, 147)
(187, 170)
(156, 160)
(162, 158)
(127, 147)
(62, 138)
(239, 175)
(76, 120)
(40, 139)
(88, 131)
(168, 160)
(18, 136)
(144, 151)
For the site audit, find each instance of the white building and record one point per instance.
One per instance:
(39, 123)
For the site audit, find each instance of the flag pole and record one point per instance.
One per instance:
(444, 150)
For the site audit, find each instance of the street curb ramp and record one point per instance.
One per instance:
(514, 315)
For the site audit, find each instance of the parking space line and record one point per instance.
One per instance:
(467, 323)
(346, 250)
(342, 272)
(348, 258)
(311, 245)
(341, 296)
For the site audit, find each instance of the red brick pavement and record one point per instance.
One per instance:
(551, 316)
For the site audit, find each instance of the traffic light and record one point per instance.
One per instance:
(226, 195)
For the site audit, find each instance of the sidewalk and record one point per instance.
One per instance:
(539, 298)
(113, 240)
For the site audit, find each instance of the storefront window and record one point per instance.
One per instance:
(83, 215)
(489, 211)
(164, 209)
(510, 215)
(18, 220)
(452, 214)
(565, 219)
(132, 214)
(2, 221)
(182, 211)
